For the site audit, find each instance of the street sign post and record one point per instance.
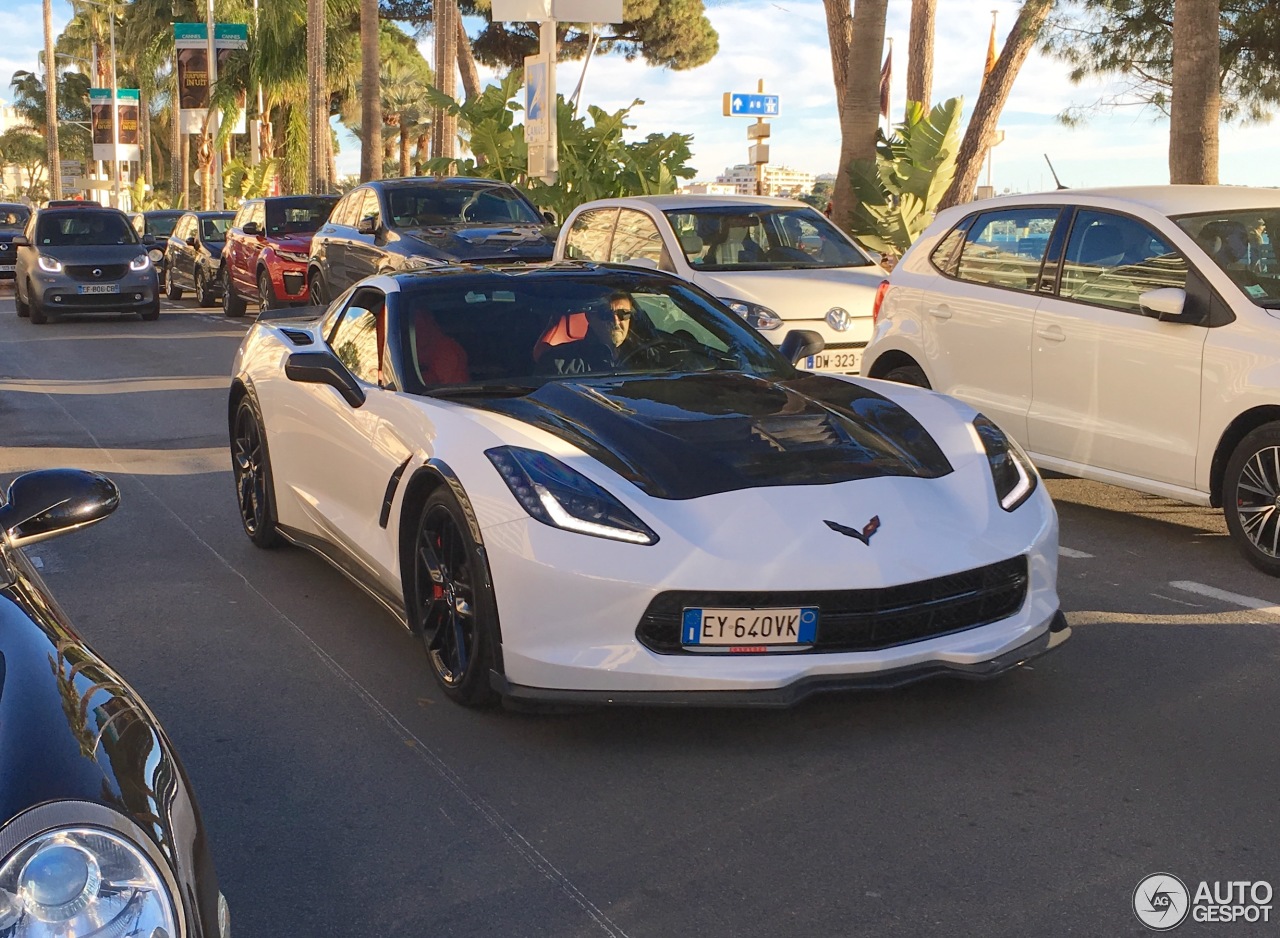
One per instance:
(741, 104)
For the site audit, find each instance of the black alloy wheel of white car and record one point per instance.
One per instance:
(252, 469)
(452, 602)
(1251, 497)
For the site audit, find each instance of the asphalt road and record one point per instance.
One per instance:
(344, 796)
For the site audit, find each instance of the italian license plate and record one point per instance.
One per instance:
(749, 628)
(6, 268)
(88, 288)
(842, 360)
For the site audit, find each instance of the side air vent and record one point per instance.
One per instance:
(296, 337)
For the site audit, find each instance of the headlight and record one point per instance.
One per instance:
(141, 262)
(156, 255)
(761, 317)
(417, 260)
(49, 264)
(1014, 476)
(563, 498)
(291, 256)
(76, 881)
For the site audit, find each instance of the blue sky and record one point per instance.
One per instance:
(784, 42)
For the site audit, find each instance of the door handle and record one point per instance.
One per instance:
(1052, 333)
(940, 312)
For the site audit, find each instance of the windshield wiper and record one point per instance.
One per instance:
(481, 390)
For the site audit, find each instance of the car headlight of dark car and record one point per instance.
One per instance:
(50, 265)
(564, 498)
(85, 880)
(1014, 476)
(141, 262)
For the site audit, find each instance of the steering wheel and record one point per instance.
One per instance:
(678, 351)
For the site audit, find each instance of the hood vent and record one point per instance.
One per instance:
(296, 337)
(792, 434)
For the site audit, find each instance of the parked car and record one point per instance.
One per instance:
(159, 224)
(100, 833)
(13, 219)
(1123, 335)
(265, 254)
(778, 263)
(194, 253)
(84, 259)
(400, 224)
(594, 532)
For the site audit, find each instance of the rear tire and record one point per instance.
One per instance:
(451, 604)
(204, 295)
(23, 309)
(908, 374)
(232, 305)
(316, 294)
(1251, 498)
(174, 292)
(251, 467)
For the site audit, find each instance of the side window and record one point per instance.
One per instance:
(368, 207)
(1006, 248)
(637, 237)
(358, 338)
(343, 211)
(1111, 260)
(590, 235)
(946, 256)
(662, 313)
(259, 215)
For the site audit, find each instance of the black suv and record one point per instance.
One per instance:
(13, 218)
(397, 224)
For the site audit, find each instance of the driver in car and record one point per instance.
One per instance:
(608, 343)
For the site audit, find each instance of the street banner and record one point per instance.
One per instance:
(126, 139)
(192, 43)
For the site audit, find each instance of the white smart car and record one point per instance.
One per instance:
(1130, 336)
(686, 519)
(778, 263)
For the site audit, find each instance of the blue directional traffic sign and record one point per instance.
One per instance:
(741, 104)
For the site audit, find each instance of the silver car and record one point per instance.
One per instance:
(83, 260)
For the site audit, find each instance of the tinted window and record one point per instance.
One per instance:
(1243, 245)
(344, 213)
(1006, 249)
(161, 225)
(1111, 260)
(214, 229)
(761, 237)
(590, 234)
(357, 339)
(425, 206)
(636, 236)
(13, 217)
(84, 227)
(367, 207)
(297, 216)
(946, 256)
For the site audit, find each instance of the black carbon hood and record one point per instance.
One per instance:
(686, 436)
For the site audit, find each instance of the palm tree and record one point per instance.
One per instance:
(860, 103)
(370, 96)
(317, 97)
(444, 130)
(51, 104)
(920, 52)
(1196, 101)
(403, 106)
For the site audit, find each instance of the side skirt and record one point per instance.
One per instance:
(348, 568)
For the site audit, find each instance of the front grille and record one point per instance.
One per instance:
(828, 346)
(862, 620)
(292, 282)
(109, 272)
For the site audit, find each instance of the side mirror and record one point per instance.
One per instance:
(549, 216)
(148, 239)
(324, 368)
(368, 225)
(49, 502)
(20, 241)
(801, 343)
(1165, 304)
(191, 242)
(251, 228)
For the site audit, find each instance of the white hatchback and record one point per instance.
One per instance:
(1124, 335)
(778, 263)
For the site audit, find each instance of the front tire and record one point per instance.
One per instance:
(35, 310)
(174, 292)
(152, 312)
(266, 292)
(251, 466)
(1251, 498)
(452, 603)
(232, 305)
(908, 374)
(315, 289)
(23, 309)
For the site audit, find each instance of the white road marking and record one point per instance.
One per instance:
(1235, 599)
(1074, 554)
(37, 563)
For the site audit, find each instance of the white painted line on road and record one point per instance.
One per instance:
(37, 563)
(1074, 554)
(1235, 599)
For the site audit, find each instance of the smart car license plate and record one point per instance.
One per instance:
(797, 625)
(6, 268)
(843, 360)
(87, 288)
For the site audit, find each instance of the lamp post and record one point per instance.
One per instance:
(214, 116)
(117, 198)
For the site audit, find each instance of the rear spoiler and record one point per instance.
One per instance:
(300, 313)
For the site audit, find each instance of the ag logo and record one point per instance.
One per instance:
(1161, 901)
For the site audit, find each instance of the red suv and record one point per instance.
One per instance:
(265, 256)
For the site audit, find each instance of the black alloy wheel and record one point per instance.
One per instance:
(266, 293)
(174, 292)
(204, 292)
(252, 470)
(1251, 497)
(453, 605)
(908, 374)
(315, 289)
(232, 305)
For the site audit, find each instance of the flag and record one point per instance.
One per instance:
(886, 75)
(991, 52)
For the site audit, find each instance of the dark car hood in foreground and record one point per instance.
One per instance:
(481, 243)
(687, 436)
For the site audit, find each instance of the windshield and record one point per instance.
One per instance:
(298, 216)
(84, 227)
(1243, 245)
(162, 225)
(427, 206)
(13, 218)
(761, 237)
(517, 333)
(215, 229)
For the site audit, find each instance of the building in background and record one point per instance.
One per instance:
(12, 178)
(708, 188)
(778, 180)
